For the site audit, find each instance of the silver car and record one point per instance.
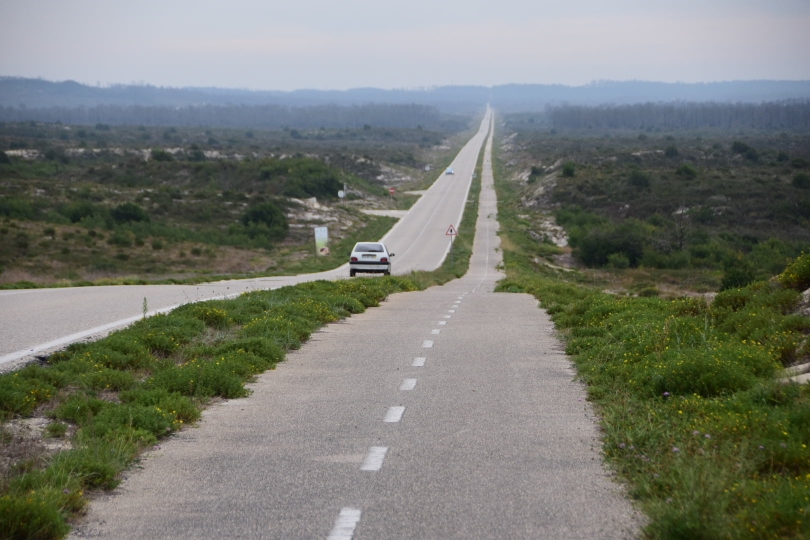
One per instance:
(370, 257)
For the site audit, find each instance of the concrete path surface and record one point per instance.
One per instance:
(447, 413)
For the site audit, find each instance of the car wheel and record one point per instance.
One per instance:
(351, 273)
(387, 273)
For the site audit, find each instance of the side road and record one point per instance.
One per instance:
(447, 413)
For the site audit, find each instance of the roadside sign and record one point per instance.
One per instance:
(390, 191)
(322, 240)
(341, 193)
(451, 231)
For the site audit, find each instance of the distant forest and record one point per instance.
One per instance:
(240, 116)
(789, 115)
(38, 93)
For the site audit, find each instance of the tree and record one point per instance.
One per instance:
(671, 151)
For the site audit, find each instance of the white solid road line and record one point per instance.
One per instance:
(408, 384)
(419, 361)
(374, 458)
(394, 414)
(345, 524)
(428, 343)
(65, 340)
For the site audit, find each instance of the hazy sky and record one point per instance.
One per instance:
(329, 44)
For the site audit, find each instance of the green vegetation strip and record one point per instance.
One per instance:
(115, 397)
(711, 444)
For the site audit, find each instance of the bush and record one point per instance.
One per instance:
(743, 149)
(738, 272)
(120, 239)
(31, 517)
(801, 181)
(618, 260)
(158, 154)
(799, 163)
(4, 159)
(267, 220)
(671, 151)
(77, 211)
(797, 275)
(17, 208)
(569, 169)
(638, 179)
(628, 239)
(686, 171)
(129, 212)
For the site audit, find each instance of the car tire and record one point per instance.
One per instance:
(352, 273)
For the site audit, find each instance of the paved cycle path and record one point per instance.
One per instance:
(446, 413)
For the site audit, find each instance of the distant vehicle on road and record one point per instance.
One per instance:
(370, 257)
(449, 171)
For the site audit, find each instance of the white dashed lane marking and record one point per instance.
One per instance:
(451, 311)
(394, 414)
(436, 331)
(447, 316)
(428, 343)
(345, 524)
(374, 458)
(441, 323)
(408, 384)
(419, 361)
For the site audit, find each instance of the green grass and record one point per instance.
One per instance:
(121, 394)
(710, 444)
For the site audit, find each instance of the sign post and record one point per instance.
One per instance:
(342, 194)
(451, 232)
(391, 192)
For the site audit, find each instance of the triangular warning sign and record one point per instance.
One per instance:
(451, 231)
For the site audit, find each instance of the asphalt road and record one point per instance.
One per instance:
(37, 321)
(447, 413)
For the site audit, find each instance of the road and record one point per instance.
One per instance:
(37, 321)
(442, 414)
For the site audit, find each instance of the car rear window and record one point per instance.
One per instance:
(369, 248)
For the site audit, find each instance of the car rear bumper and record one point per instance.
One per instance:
(369, 267)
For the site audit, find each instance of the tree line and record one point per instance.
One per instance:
(236, 116)
(775, 115)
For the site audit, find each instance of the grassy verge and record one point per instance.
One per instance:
(109, 400)
(710, 444)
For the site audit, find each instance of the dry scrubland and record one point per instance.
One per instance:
(696, 416)
(104, 204)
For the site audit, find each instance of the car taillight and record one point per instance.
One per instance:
(353, 259)
(384, 259)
